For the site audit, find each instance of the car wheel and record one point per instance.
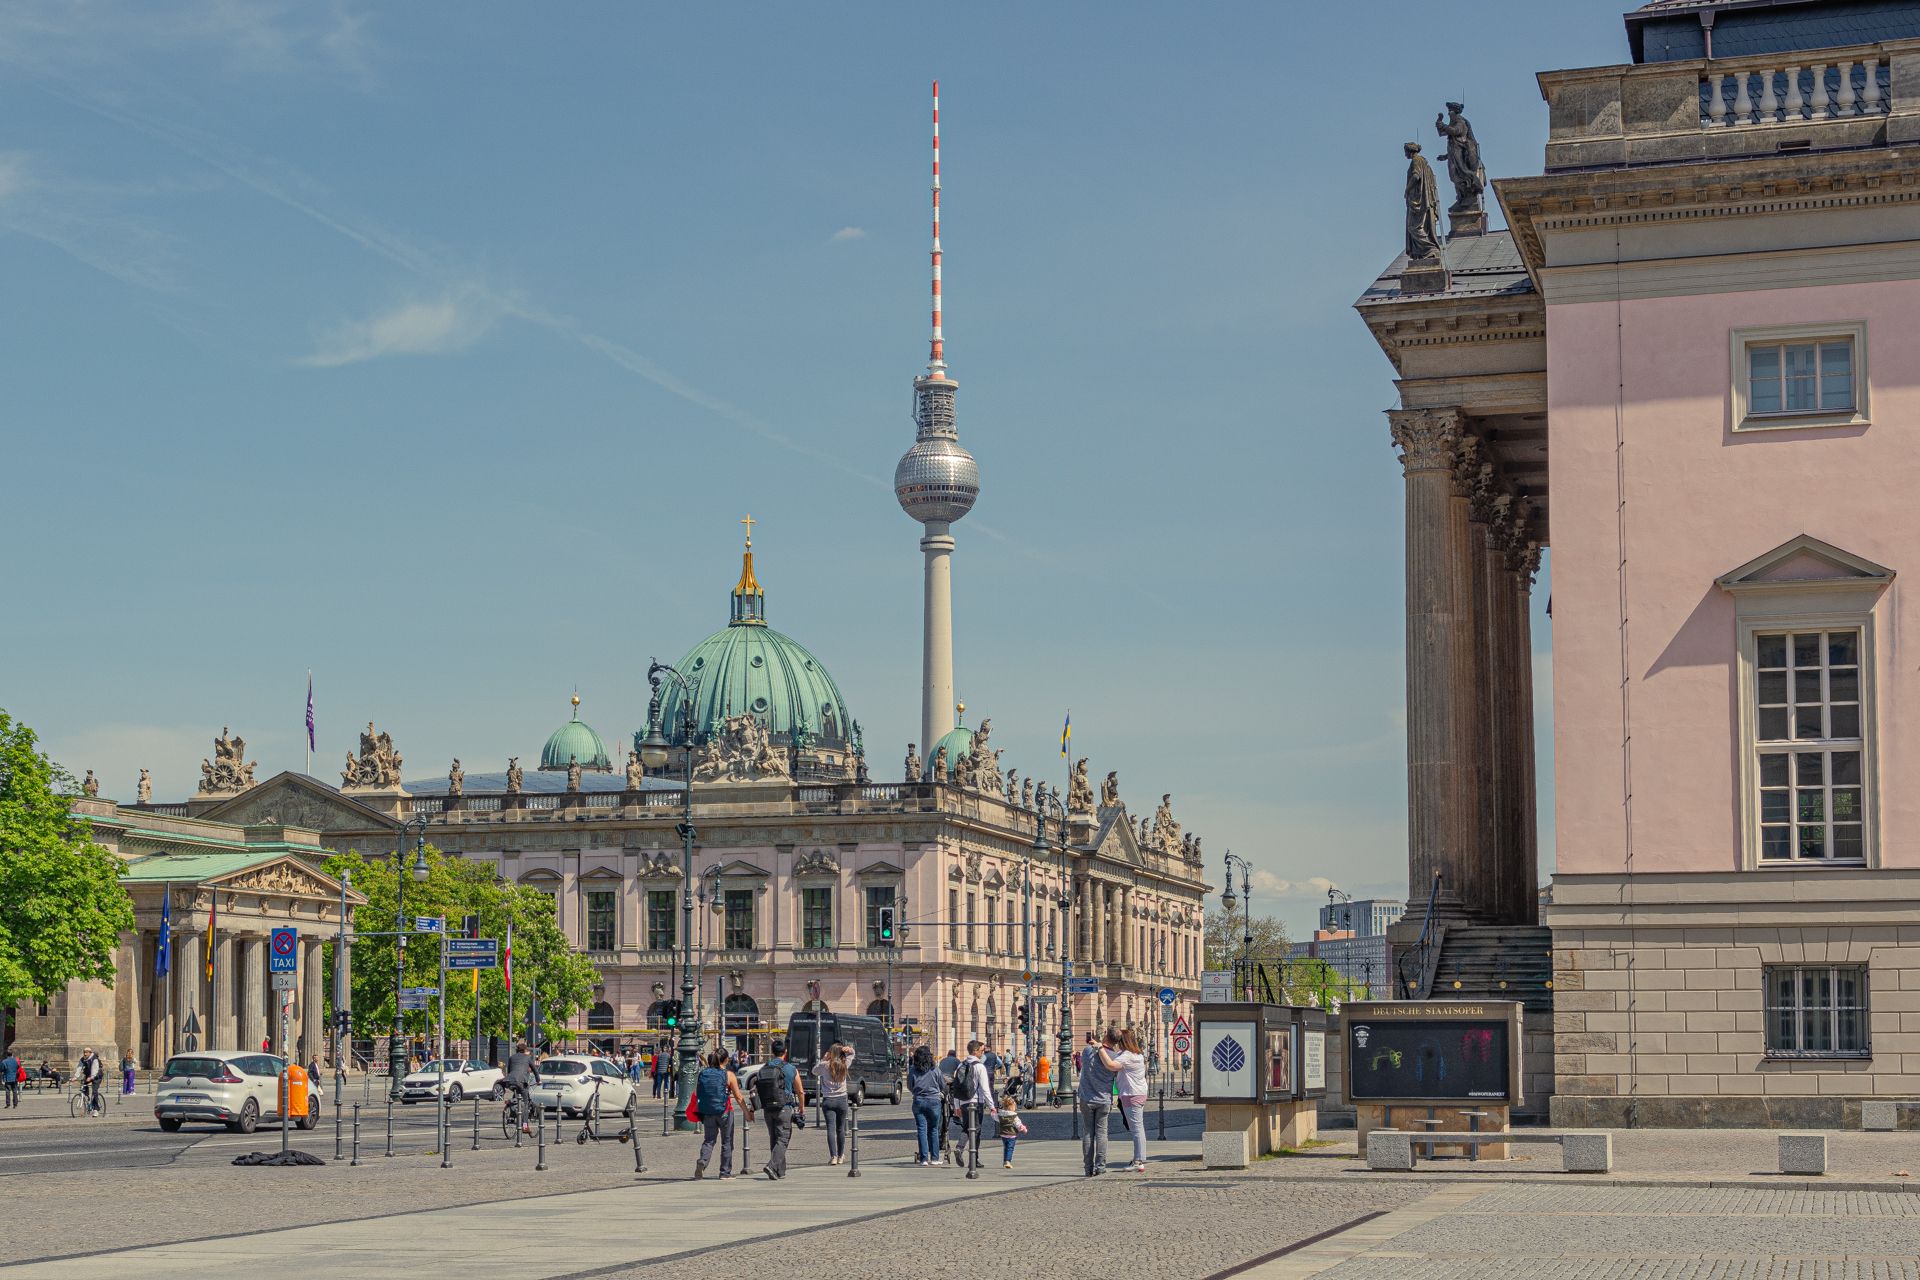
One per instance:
(894, 1097)
(626, 1112)
(312, 1119)
(453, 1094)
(497, 1094)
(169, 1126)
(249, 1118)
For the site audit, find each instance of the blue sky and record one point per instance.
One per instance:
(439, 348)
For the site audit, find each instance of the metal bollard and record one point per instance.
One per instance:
(666, 1116)
(389, 1126)
(476, 1124)
(633, 1135)
(444, 1118)
(356, 1135)
(540, 1162)
(973, 1159)
(746, 1127)
(521, 1110)
(337, 1119)
(853, 1140)
(1163, 1113)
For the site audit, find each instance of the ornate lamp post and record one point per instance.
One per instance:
(654, 750)
(396, 1047)
(1336, 894)
(1045, 802)
(1246, 927)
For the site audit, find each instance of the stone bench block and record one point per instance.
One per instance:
(1587, 1152)
(1879, 1117)
(1804, 1153)
(1224, 1149)
(1389, 1149)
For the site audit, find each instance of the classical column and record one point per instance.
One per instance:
(127, 1010)
(1468, 569)
(311, 1044)
(189, 988)
(1525, 802)
(1497, 716)
(255, 1021)
(1428, 440)
(226, 1012)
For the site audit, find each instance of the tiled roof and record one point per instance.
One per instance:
(1480, 266)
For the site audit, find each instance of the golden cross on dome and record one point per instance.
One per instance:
(749, 521)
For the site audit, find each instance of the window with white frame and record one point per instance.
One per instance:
(1798, 375)
(1810, 746)
(1817, 1011)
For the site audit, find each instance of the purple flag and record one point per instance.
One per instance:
(309, 710)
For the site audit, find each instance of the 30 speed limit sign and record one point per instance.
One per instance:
(1183, 1044)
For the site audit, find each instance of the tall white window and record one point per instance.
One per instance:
(1799, 376)
(1808, 736)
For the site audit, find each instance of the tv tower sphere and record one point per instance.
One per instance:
(936, 481)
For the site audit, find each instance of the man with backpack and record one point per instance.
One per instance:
(10, 1078)
(972, 1094)
(778, 1089)
(714, 1094)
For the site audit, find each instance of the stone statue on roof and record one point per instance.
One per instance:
(1026, 794)
(90, 785)
(1110, 789)
(456, 778)
(1079, 789)
(514, 775)
(636, 771)
(573, 773)
(1464, 170)
(144, 789)
(940, 765)
(912, 765)
(229, 770)
(1423, 207)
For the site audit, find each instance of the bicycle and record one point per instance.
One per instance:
(516, 1111)
(81, 1102)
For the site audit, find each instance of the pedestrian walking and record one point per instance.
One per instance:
(1098, 1071)
(1016, 1078)
(661, 1068)
(88, 1072)
(929, 1090)
(949, 1067)
(779, 1093)
(972, 1092)
(836, 1110)
(10, 1072)
(636, 1070)
(1011, 1127)
(714, 1094)
(128, 1069)
(1131, 1086)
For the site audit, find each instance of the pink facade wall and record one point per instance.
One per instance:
(1701, 500)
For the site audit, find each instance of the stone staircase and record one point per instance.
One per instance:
(1494, 962)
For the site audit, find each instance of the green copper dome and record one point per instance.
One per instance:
(575, 740)
(958, 741)
(748, 668)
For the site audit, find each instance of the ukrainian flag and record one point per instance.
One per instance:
(1066, 734)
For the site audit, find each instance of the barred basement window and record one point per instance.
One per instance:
(1817, 1011)
(600, 920)
(660, 920)
(1811, 752)
(816, 917)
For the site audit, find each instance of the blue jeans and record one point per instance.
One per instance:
(1006, 1149)
(926, 1126)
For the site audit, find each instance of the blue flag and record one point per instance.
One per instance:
(163, 952)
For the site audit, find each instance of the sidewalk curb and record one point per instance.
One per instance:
(1762, 1182)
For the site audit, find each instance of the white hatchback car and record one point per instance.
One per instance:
(226, 1086)
(463, 1078)
(567, 1085)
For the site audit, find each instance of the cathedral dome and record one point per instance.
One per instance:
(748, 668)
(958, 741)
(575, 740)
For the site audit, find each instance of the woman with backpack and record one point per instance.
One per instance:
(836, 1110)
(714, 1093)
(929, 1091)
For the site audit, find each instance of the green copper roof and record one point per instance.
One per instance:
(575, 740)
(156, 868)
(749, 668)
(958, 741)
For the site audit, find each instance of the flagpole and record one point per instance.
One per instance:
(309, 722)
(166, 979)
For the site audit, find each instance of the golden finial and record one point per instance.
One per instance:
(959, 713)
(576, 699)
(749, 521)
(748, 584)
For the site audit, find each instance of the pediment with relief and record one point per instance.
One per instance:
(293, 800)
(285, 877)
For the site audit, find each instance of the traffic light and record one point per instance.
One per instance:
(886, 926)
(1026, 1018)
(470, 926)
(670, 1014)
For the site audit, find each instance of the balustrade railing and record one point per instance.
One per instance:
(1795, 93)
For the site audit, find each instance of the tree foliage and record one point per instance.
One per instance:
(62, 907)
(543, 959)
(1225, 934)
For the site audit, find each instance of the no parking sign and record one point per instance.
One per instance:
(284, 953)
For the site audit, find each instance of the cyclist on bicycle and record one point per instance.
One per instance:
(522, 1074)
(88, 1073)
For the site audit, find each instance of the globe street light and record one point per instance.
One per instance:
(396, 1051)
(654, 751)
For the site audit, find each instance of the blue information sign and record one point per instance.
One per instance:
(1168, 995)
(283, 956)
(1083, 986)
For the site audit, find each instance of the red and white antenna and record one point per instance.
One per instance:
(936, 361)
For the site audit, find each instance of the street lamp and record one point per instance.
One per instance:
(1045, 801)
(1337, 894)
(710, 885)
(654, 751)
(1227, 900)
(396, 1050)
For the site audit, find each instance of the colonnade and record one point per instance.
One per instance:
(1472, 552)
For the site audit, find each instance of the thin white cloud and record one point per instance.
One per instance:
(409, 329)
(845, 234)
(85, 221)
(272, 38)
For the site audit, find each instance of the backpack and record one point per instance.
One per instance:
(710, 1092)
(770, 1086)
(960, 1084)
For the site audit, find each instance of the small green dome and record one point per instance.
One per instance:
(575, 740)
(958, 741)
(748, 668)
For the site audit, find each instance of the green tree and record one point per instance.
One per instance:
(1224, 935)
(62, 908)
(543, 960)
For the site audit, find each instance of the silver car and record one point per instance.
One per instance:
(226, 1086)
(571, 1085)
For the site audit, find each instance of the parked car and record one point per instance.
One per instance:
(462, 1078)
(226, 1086)
(567, 1083)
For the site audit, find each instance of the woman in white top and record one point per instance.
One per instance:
(832, 1072)
(1130, 1082)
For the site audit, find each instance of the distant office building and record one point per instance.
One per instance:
(1364, 918)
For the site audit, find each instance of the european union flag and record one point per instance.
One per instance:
(163, 952)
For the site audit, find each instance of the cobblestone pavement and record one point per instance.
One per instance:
(1617, 1233)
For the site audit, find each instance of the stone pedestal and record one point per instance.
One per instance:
(1425, 275)
(1238, 1133)
(1803, 1153)
(1412, 1117)
(1470, 222)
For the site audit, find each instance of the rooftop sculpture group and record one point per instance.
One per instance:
(229, 770)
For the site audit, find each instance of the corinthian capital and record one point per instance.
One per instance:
(1466, 461)
(1428, 439)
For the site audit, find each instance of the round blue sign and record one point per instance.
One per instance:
(1228, 1056)
(1167, 995)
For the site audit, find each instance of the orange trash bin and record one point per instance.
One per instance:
(294, 1080)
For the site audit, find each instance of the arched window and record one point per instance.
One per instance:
(656, 1018)
(600, 1017)
(881, 1009)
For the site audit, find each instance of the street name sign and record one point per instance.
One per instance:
(283, 956)
(472, 960)
(472, 946)
(429, 924)
(1083, 986)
